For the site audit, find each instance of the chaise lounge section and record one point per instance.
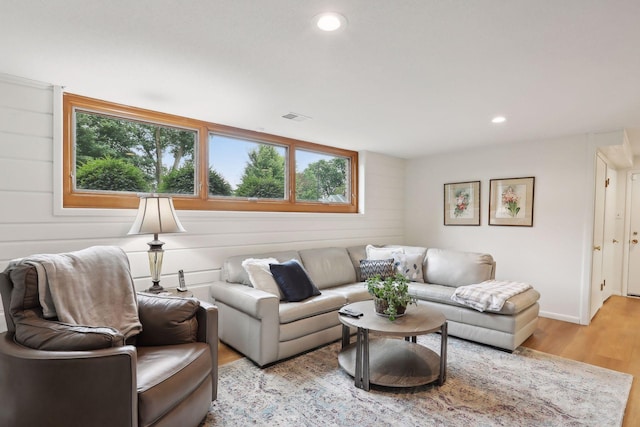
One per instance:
(265, 329)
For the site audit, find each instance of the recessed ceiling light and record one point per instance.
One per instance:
(329, 21)
(499, 119)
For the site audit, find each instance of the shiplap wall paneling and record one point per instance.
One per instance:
(28, 224)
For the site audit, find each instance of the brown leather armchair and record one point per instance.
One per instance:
(83, 376)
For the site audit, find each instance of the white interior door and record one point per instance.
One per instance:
(633, 281)
(597, 284)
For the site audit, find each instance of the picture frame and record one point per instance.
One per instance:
(462, 203)
(511, 201)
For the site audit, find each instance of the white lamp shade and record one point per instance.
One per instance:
(156, 215)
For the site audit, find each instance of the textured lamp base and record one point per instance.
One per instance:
(156, 254)
(155, 289)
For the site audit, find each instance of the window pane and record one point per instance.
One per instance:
(246, 169)
(115, 154)
(322, 177)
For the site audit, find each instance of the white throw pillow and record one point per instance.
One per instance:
(382, 253)
(260, 274)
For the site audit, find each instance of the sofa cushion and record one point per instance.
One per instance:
(328, 301)
(373, 267)
(233, 272)
(442, 294)
(306, 327)
(167, 320)
(328, 267)
(260, 275)
(42, 334)
(356, 253)
(350, 293)
(432, 292)
(518, 303)
(293, 281)
(456, 268)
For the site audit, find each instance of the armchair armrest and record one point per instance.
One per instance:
(96, 387)
(207, 316)
(173, 320)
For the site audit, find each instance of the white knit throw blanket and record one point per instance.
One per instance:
(91, 287)
(488, 295)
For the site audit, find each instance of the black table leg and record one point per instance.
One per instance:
(443, 353)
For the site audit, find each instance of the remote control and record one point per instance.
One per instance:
(349, 312)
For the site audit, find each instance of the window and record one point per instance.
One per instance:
(113, 153)
(322, 177)
(247, 169)
(120, 155)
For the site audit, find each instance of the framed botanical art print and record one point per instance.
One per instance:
(511, 201)
(462, 203)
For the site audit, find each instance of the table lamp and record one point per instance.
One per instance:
(156, 215)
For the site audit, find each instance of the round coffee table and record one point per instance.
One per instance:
(393, 362)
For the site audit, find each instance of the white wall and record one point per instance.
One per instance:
(29, 223)
(550, 255)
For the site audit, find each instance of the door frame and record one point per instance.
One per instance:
(596, 292)
(627, 231)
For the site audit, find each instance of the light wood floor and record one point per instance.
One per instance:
(612, 341)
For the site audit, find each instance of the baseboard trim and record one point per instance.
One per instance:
(563, 317)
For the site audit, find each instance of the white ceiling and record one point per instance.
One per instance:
(406, 78)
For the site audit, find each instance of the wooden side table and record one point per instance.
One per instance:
(171, 292)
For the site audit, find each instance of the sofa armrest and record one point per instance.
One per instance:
(249, 320)
(207, 316)
(251, 301)
(96, 388)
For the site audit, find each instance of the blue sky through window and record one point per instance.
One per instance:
(229, 157)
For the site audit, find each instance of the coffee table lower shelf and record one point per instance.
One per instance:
(394, 363)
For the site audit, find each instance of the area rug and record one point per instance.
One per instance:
(484, 387)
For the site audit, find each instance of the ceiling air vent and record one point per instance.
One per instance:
(295, 116)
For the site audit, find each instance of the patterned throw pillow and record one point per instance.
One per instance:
(410, 266)
(371, 267)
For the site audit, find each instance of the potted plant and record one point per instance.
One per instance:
(390, 295)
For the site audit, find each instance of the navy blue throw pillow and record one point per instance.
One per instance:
(293, 281)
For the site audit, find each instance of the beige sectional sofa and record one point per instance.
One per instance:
(266, 330)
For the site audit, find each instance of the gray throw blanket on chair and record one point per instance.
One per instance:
(90, 287)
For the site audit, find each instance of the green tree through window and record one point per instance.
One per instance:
(111, 175)
(322, 180)
(180, 181)
(159, 152)
(264, 174)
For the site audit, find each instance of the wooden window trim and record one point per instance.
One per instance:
(82, 199)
